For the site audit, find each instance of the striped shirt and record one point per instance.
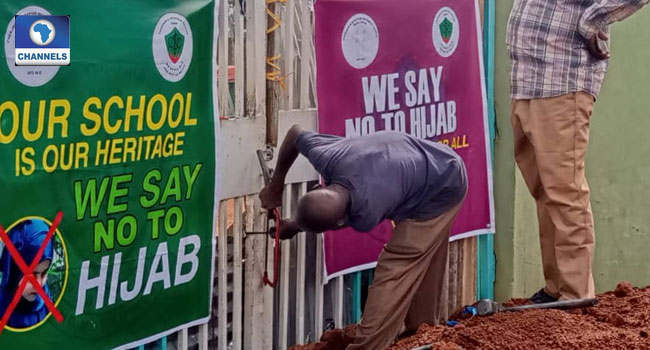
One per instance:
(546, 42)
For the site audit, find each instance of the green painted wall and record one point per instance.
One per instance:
(618, 170)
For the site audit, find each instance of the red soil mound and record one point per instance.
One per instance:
(621, 320)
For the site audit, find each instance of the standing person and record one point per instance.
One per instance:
(388, 175)
(558, 63)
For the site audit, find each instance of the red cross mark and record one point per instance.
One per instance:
(28, 271)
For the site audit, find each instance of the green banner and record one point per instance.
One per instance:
(121, 143)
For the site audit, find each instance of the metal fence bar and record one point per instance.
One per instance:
(283, 326)
(259, 29)
(222, 278)
(162, 343)
(444, 306)
(305, 53)
(182, 342)
(485, 254)
(289, 53)
(312, 70)
(356, 297)
(239, 43)
(203, 336)
(320, 288)
(224, 96)
(452, 290)
(238, 291)
(255, 54)
(258, 299)
(338, 301)
(300, 278)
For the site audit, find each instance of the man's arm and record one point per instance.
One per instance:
(596, 18)
(271, 195)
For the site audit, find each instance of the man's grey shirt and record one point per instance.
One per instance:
(388, 174)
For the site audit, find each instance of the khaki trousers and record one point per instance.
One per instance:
(551, 136)
(408, 282)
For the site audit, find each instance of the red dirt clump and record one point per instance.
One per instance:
(337, 339)
(621, 320)
(517, 302)
(623, 289)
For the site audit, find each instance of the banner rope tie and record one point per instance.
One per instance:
(275, 72)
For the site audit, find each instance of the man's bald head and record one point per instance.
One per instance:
(323, 209)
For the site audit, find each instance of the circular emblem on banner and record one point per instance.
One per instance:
(446, 32)
(172, 46)
(360, 41)
(28, 75)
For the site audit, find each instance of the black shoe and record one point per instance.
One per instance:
(542, 297)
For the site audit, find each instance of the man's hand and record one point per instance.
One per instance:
(271, 196)
(597, 45)
(288, 229)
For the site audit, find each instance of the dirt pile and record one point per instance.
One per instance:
(621, 320)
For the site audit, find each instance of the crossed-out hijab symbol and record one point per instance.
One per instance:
(28, 272)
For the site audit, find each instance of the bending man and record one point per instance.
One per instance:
(418, 184)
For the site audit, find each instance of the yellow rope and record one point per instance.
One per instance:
(277, 21)
(275, 73)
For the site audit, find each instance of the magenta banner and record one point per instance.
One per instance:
(413, 66)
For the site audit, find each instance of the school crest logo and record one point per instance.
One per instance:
(174, 41)
(172, 46)
(446, 32)
(446, 29)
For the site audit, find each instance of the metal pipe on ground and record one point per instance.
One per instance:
(488, 307)
(423, 347)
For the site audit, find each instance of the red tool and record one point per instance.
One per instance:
(274, 215)
(276, 250)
